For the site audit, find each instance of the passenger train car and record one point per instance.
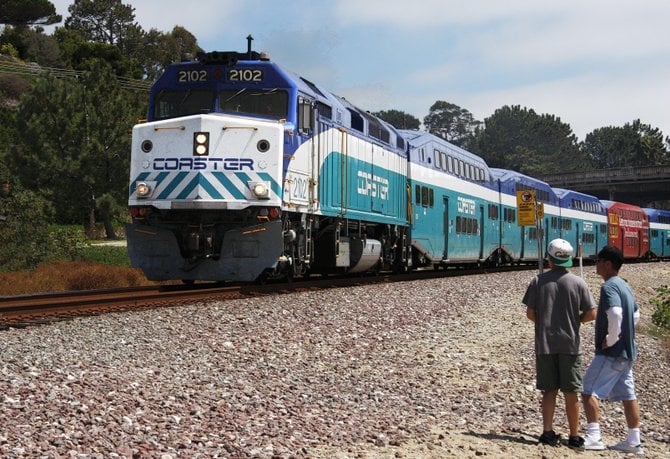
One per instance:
(659, 233)
(245, 171)
(583, 220)
(452, 191)
(520, 243)
(628, 229)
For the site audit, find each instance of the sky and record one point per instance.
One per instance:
(591, 63)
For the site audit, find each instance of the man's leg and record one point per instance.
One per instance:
(548, 408)
(572, 412)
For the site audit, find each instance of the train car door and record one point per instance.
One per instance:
(446, 227)
(482, 231)
(380, 176)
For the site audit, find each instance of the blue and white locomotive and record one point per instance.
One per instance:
(245, 171)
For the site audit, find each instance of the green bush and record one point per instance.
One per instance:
(24, 237)
(661, 317)
(108, 255)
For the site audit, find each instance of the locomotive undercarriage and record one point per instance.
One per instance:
(257, 244)
(205, 245)
(329, 245)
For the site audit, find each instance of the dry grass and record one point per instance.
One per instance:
(70, 275)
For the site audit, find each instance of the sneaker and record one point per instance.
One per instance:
(575, 442)
(593, 444)
(550, 438)
(626, 447)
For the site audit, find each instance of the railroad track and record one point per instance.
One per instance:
(25, 310)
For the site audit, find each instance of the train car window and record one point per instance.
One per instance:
(424, 196)
(272, 103)
(325, 110)
(444, 161)
(493, 212)
(376, 130)
(417, 194)
(437, 158)
(170, 104)
(431, 197)
(654, 233)
(356, 120)
(450, 164)
(400, 143)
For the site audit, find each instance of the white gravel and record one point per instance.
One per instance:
(438, 368)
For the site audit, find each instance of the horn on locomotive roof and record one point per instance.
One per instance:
(249, 40)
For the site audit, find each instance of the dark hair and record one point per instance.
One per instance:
(613, 254)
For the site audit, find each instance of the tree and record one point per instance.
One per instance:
(451, 122)
(399, 119)
(634, 144)
(159, 50)
(520, 139)
(32, 45)
(76, 142)
(28, 12)
(105, 21)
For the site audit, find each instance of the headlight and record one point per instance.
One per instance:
(143, 190)
(200, 143)
(260, 190)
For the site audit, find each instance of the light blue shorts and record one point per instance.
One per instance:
(610, 378)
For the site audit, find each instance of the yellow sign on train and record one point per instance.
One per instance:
(525, 204)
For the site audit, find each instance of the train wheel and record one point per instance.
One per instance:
(262, 279)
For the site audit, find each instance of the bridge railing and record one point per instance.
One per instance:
(613, 175)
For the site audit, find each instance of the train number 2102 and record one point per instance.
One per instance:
(245, 75)
(187, 76)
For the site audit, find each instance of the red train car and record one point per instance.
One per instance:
(627, 229)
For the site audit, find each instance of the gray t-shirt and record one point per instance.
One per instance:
(558, 298)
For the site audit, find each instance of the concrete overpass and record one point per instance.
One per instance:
(640, 185)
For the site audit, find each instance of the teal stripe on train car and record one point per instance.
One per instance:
(172, 185)
(273, 184)
(228, 185)
(358, 189)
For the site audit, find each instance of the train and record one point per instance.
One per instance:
(245, 171)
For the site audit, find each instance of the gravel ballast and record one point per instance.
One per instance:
(435, 368)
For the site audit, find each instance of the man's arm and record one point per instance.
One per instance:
(588, 316)
(530, 313)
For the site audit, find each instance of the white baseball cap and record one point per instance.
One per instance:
(560, 252)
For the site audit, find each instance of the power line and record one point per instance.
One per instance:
(33, 69)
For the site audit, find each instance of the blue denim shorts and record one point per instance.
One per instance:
(610, 378)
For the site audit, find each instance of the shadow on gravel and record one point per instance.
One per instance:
(512, 438)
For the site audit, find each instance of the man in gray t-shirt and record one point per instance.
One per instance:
(558, 302)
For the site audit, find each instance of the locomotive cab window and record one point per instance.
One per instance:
(272, 103)
(170, 104)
